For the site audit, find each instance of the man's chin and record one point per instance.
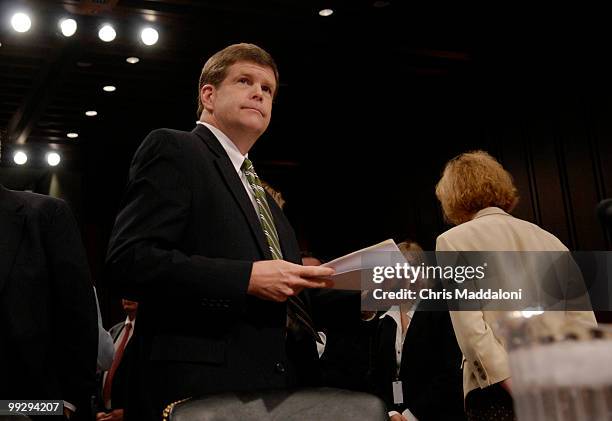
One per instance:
(255, 125)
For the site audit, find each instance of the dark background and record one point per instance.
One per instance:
(373, 101)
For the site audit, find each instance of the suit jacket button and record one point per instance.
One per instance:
(280, 368)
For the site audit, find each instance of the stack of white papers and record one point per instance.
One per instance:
(352, 267)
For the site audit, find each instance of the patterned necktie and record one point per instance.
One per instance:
(298, 316)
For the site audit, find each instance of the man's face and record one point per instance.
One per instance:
(129, 306)
(242, 103)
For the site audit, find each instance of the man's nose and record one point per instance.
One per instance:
(257, 91)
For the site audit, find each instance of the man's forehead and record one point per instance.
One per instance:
(252, 67)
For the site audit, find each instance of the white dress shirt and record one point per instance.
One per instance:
(400, 337)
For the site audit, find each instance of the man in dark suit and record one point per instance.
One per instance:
(112, 388)
(212, 262)
(48, 321)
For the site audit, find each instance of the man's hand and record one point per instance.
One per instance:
(114, 415)
(276, 280)
(398, 417)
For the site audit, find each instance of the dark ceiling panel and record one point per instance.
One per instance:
(47, 82)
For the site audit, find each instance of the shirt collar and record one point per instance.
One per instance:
(492, 210)
(394, 312)
(232, 151)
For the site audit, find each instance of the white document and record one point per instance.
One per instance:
(351, 268)
(408, 415)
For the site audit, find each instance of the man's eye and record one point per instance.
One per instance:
(243, 80)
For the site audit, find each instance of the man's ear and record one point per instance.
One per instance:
(207, 96)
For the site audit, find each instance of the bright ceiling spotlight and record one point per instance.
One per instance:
(21, 22)
(72, 135)
(107, 33)
(109, 88)
(91, 113)
(53, 159)
(20, 157)
(326, 12)
(132, 60)
(149, 36)
(68, 27)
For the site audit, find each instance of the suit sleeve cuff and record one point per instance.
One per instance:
(491, 370)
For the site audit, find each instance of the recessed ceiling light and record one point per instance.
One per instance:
(109, 88)
(53, 158)
(72, 135)
(68, 27)
(326, 12)
(20, 157)
(132, 60)
(21, 22)
(149, 36)
(107, 33)
(91, 113)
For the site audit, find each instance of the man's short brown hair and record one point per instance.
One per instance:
(473, 181)
(215, 69)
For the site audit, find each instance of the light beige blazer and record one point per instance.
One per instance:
(485, 360)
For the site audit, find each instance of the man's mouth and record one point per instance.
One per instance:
(254, 109)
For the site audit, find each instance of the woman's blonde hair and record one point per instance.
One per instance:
(473, 181)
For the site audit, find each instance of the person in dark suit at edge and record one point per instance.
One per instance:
(212, 261)
(113, 391)
(48, 320)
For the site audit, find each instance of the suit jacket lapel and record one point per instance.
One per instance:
(11, 227)
(229, 175)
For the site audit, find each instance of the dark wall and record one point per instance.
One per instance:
(373, 152)
(357, 144)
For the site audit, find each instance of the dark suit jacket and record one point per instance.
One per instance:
(48, 321)
(430, 369)
(183, 246)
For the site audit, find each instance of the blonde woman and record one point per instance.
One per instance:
(477, 195)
